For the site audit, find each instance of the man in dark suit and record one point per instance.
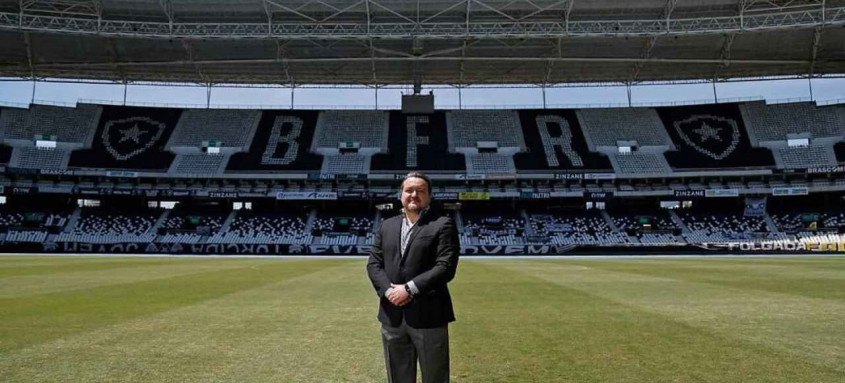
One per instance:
(414, 256)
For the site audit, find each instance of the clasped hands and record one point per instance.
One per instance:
(397, 295)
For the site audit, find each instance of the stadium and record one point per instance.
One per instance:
(633, 242)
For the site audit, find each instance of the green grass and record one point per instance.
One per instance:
(292, 320)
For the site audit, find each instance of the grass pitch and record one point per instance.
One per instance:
(287, 320)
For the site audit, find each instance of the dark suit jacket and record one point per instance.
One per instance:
(430, 261)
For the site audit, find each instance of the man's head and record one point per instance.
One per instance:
(415, 192)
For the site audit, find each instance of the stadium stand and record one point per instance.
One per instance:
(653, 227)
(264, 228)
(555, 141)
(343, 227)
(30, 157)
(468, 127)
(573, 228)
(348, 140)
(199, 164)
(639, 163)
(775, 122)
(111, 227)
(418, 142)
(231, 128)
(282, 142)
(68, 125)
(366, 127)
(189, 227)
(492, 229)
(34, 236)
(722, 227)
(130, 138)
(803, 157)
(606, 127)
(710, 136)
(346, 163)
(489, 163)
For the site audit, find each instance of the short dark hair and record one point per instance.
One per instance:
(419, 175)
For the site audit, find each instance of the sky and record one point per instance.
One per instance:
(20, 92)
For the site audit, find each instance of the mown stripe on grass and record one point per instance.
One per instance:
(515, 326)
(65, 265)
(804, 327)
(827, 283)
(11, 287)
(29, 320)
(315, 327)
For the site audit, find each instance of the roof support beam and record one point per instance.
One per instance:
(611, 60)
(291, 10)
(401, 29)
(28, 45)
(725, 54)
(451, 7)
(391, 11)
(167, 7)
(372, 50)
(546, 8)
(814, 51)
(281, 56)
(648, 46)
(494, 10)
(667, 11)
(189, 49)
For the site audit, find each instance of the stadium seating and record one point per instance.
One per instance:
(264, 228)
(605, 127)
(177, 228)
(723, 227)
(585, 228)
(198, 164)
(30, 157)
(555, 141)
(130, 138)
(352, 163)
(111, 227)
(639, 162)
(468, 127)
(803, 157)
(68, 125)
(282, 142)
(339, 229)
(418, 142)
(34, 236)
(660, 229)
(231, 128)
(774, 122)
(482, 163)
(710, 136)
(368, 128)
(807, 224)
(499, 229)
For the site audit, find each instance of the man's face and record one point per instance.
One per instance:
(415, 196)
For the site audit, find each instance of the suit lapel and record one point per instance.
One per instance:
(416, 230)
(397, 236)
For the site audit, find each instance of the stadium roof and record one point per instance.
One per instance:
(458, 42)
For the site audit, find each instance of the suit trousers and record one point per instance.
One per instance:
(403, 345)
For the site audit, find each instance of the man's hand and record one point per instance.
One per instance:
(397, 295)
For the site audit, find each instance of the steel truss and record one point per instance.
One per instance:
(746, 20)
